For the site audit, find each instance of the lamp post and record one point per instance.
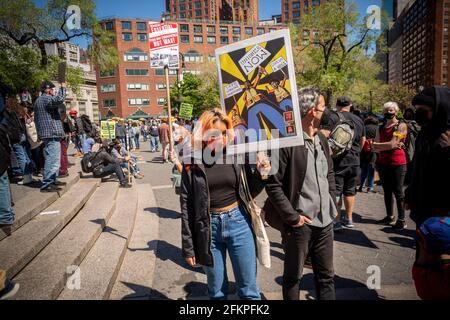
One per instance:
(371, 101)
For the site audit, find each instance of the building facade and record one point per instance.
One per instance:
(134, 89)
(86, 100)
(419, 55)
(293, 10)
(241, 11)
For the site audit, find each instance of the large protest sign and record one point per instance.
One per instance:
(108, 129)
(258, 91)
(164, 45)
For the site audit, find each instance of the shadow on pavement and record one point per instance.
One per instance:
(354, 237)
(143, 293)
(404, 242)
(359, 219)
(164, 213)
(405, 232)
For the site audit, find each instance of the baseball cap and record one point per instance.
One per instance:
(73, 112)
(343, 101)
(47, 85)
(435, 233)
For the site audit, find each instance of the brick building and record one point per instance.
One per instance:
(418, 40)
(135, 90)
(293, 10)
(242, 11)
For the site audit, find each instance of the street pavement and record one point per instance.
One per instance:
(368, 250)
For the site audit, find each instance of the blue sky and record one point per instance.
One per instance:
(152, 9)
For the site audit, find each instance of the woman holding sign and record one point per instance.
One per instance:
(215, 209)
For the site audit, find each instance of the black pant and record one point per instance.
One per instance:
(103, 171)
(318, 242)
(392, 179)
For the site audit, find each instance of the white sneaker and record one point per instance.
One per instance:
(27, 179)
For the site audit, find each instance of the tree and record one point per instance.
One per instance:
(26, 29)
(329, 46)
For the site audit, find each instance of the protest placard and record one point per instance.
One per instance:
(108, 129)
(258, 91)
(164, 45)
(186, 110)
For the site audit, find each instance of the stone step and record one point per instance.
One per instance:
(45, 277)
(135, 279)
(23, 245)
(29, 201)
(100, 268)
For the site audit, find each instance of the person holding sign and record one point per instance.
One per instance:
(301, 203)
(215, 210)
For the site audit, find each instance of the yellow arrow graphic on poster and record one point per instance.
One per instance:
(229, 66)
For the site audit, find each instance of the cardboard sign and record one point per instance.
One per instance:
(62, 67)
(164, 45)
(108, 129)
(258, 92)
(186, 110)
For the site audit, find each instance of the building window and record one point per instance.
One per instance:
(127, 36)
(160, 72)
(137, 87)
(161, 101)
(295, 5)
(249, 31)
(260, 31)
(296, 14)
(198, 29)
(198, 13)
(223, 30)
(139, 102)
(236, 39)
(197, 5)
(193, 56)
(107, 73)
(184, 38)
(160, 86)
(236, 30)
(136, 72)
(272, 29)
(223, 40)
(136, 55)
(126, 25)
(109, 25)
(211, 39)
(109, 103)
(211, 29)
(198, 39)
(211, 58)
(142, 37)
(184, 28)
(108, 88)
(141, 26)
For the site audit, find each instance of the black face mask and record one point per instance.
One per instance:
(421, 117)
(389, 116)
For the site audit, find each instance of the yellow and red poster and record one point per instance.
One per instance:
(258, 91)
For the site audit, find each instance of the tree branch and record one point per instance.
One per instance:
(360, 42)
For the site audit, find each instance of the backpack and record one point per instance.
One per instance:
(88, 162)
(87, 124)
(410, 141)
(341, 138)
(10, 126)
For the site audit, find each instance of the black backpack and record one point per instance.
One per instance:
(88, 163)
(87, 124)
(410, 141)
(10, 126)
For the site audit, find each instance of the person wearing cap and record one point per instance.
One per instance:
(431, 270)
(50, 130)
(347, 166)
(427, 194)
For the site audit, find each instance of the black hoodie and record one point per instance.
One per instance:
(428, 193)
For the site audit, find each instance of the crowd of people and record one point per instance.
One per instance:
(344, 151)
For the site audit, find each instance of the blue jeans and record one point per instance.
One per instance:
(21, 151)
(231, 232)
(6, 211)
(136, 141)
(144, 133)
(52, 154)
(367, 172)
(154, 143)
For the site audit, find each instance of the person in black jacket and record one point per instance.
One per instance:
(427, 193)
(301, 202)
(215, 211)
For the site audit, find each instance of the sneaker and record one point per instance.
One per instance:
(387, 221)
(348, 224)
(6, 228)
(337, 226)
(138, 176)
(27, 179)
(399, 225)
(60, 184)
(51, 188)
(9, 291)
